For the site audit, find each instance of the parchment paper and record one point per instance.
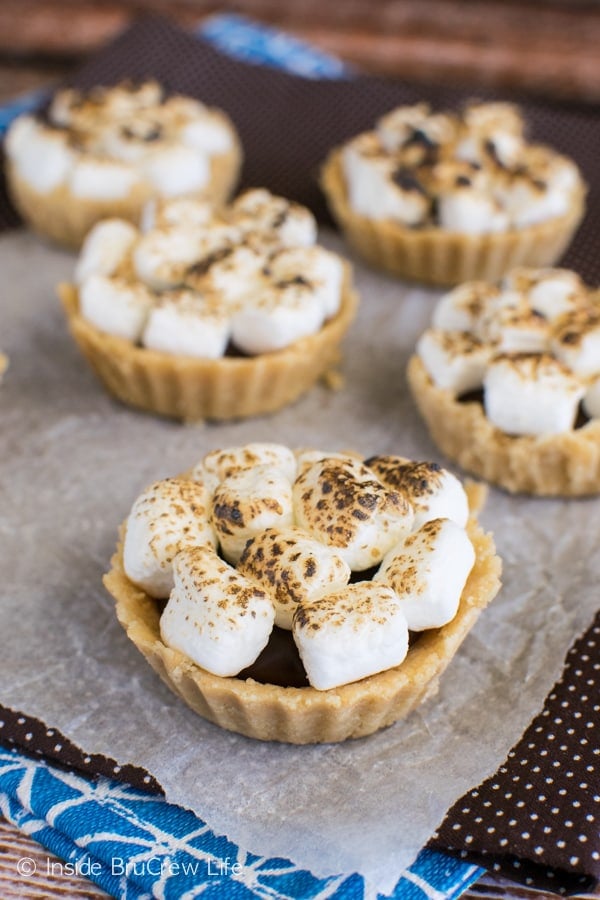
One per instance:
(71, 463)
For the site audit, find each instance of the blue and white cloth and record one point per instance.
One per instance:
(136, 846)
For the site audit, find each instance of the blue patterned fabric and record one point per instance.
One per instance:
(136, 845)
(255, 43)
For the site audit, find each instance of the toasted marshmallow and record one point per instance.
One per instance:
(455, 361)
(216, 617)
(209, 134)
(306, 458)
(116, 306)
(323, 270)
(342, 504)
(493, 132)
(174, 170)
(259, 210)
(232, 273)
(247, 502)
(415, 125)
(163, 256)
(463, 308)
(519, 330)
(576, 341)
(470, 210)
(292, 568)
(277, 317)
(531, 394)
(106, 248)
(102, 179)
(167, 517)
(180, 212)
(529, 200)
(223, 463)
(41, 155)
(433, 492)
(550, 292)
(428, 572)
(186, 323)
(379, 189)
(591, 401)
(349, 634)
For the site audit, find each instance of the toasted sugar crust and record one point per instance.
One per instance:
(435, 256)
(304, 715)
(66, 219)
(562, 465)
(226, 388)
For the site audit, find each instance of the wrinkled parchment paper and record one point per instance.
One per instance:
(71, 463)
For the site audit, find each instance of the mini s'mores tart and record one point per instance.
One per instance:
(210, 314)
(508, 377)
(303, 596)
(444, 198)
(106, 152)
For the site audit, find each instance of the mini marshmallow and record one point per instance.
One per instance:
(247, 502)
(277, 317)
(232, 273)
(176, 169)
(222, 463)
(462, 308)
(163, 256)
(216, 617)
(322, 269)
(41, 155)
(428, 572)
(102, 179)
(433, 492)
(292, 568)
(208, 134)
(165, 518)
(350, 634)
(186, 323)
(379, 189)
(306, 458)
(531, 394)
(576, 341)
(342, 504)
(415, 127)
(106, 248)
(259, 210)
(116, 306)
(550, 292)
(519, 330)
(455, 361)
(591, 400)
(529, 201)
(469, 210)
(180, 212)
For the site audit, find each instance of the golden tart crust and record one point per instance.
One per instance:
(305, 715)
(564, 465)
(436, 256)
(190, 389)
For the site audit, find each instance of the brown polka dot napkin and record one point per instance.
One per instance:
(537, 819)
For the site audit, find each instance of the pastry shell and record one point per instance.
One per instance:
(190, 389)
(562, 465)
(435, 256)
(304, 715)
(66, 219)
